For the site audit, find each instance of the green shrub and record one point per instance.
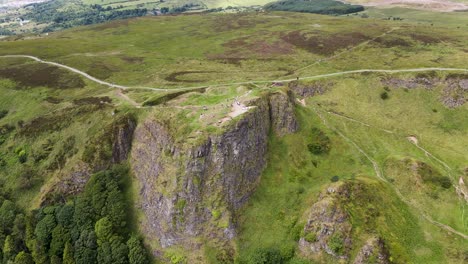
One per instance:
(23, 258)
(177, 258)
(3, 113)
(296, 231)
(384, 96)
(430, 175)
(335, 178)
(320, 142)
(180, 205)
(265, 256)
(216, 214)
(136, 252)
(22, 156)
(310, 237)
(336, 243)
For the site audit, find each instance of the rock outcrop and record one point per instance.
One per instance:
(283, 120)
(372, 252)
(188, 191)
(310, 89)
(116, 139)
(328, 229)
(122, 139)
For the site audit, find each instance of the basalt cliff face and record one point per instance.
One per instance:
(196, 191)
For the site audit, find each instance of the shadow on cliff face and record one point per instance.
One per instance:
(192, 192)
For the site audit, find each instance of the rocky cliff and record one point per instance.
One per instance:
(190, 191)
(111, 146)
(329, 229)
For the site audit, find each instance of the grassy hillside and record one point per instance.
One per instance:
(363, 129)
(395, 143)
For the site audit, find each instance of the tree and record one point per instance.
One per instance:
(85, 248)
(55, 260)
(136, 251)
(68, 254)
(84, 215)
(7, 215)
(8, 249)
(106, 197)
(119, 250)
(44, 229)
(103, 229)
(39, 252)
(65, 216)
(23, 258)
(60, 236)
(113, 251)
(19, 230)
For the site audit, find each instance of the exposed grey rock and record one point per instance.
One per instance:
(122, 140)
(310, 89)
(455, 93)
(326, 219)
(191, 191)
(373, 249)
(411, 83)
(283, 120)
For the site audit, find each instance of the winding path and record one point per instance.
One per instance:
(379, 174)
(113, 85)
(377, 169)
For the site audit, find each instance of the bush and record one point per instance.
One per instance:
(335, 178)
(3, 113)
(216, 214)
(26, 178)
(336, 243)
(384, 96)
(22, 156)
(136, 251)
(296, 231)
(320, 142)
(310, 237)
(23, 258)
(430, 175)
(266, 256)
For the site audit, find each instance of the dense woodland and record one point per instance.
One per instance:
(60, 16)
(327, 7)
(91, 228)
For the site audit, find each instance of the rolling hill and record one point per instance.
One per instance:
(250, 137)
